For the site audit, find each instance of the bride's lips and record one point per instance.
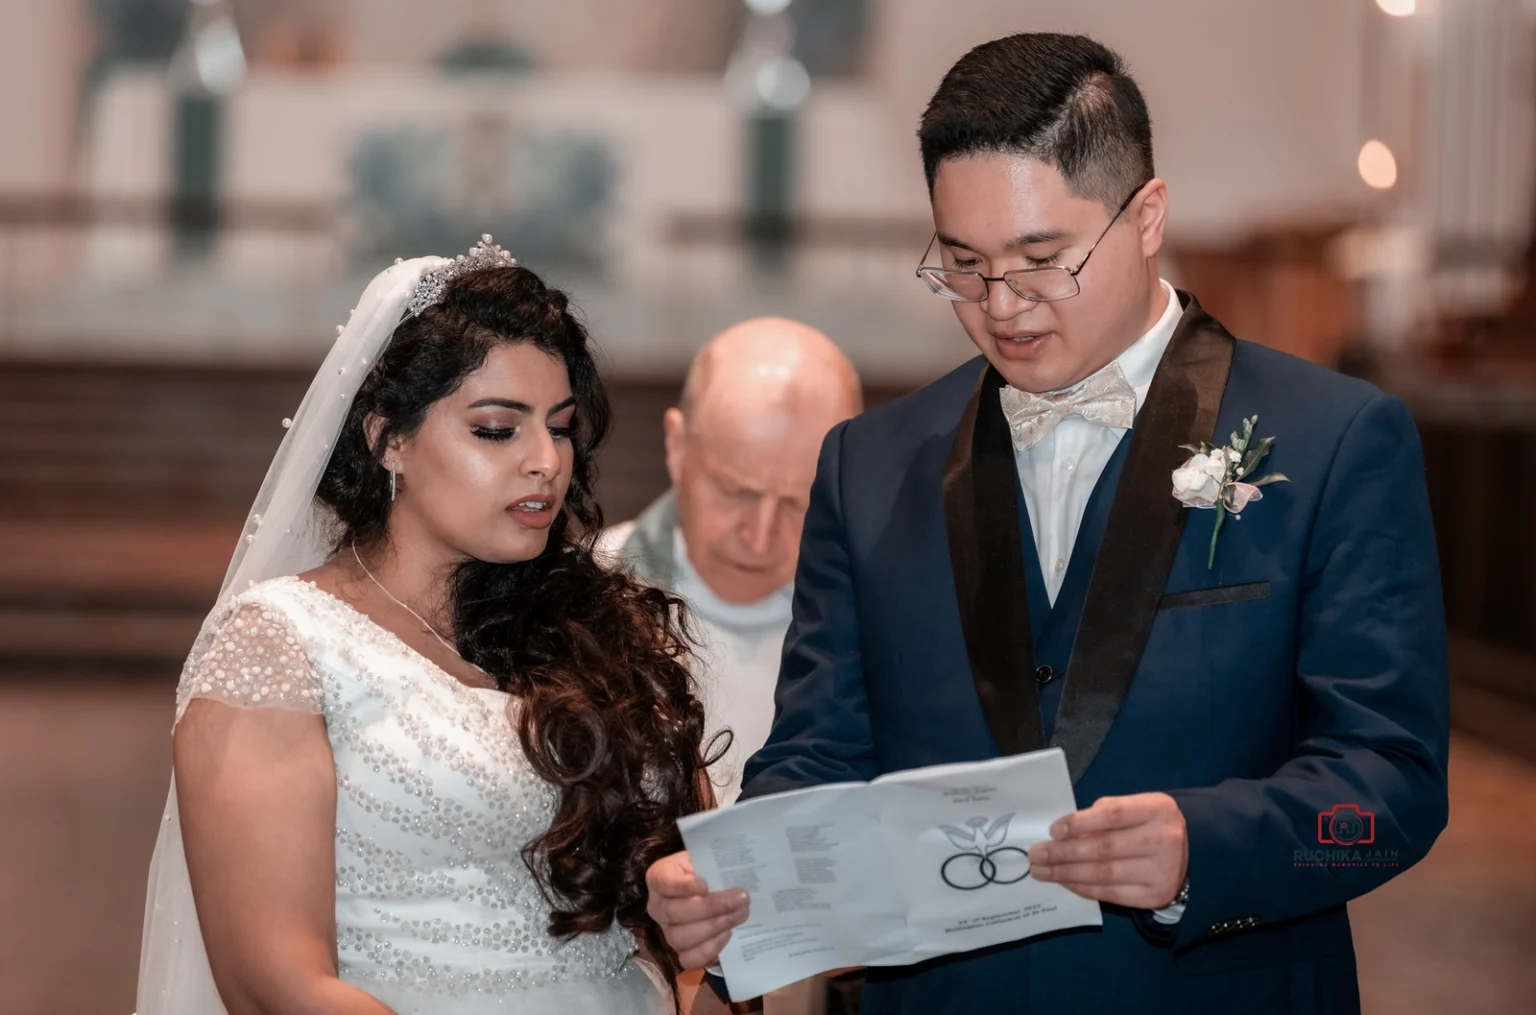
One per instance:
(535, 512)
(1022, 346)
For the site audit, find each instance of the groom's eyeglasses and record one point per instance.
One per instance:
(1038, 285)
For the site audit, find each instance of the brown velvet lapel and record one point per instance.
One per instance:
(1141, 538)
(986, 552)
(1142, 535)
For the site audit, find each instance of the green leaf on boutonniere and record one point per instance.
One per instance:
(1254, 456)
(1273, 477)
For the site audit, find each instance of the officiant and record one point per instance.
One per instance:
(1203, 569)
(741, 448)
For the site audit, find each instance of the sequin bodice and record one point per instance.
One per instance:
(434, 804)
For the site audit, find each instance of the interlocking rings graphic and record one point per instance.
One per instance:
(983, 859)
(967, 872)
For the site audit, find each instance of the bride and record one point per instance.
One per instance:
(425, 746)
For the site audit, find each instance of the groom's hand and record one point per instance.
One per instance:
(1129, 850)
(696, 922)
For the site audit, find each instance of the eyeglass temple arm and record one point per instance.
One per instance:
(923, 261)
(1107, 227)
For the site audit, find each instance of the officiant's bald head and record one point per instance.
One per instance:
(742, 445)
(776, 363)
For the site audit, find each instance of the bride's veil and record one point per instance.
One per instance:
(285, 534)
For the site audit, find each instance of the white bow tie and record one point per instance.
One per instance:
(1106, 399)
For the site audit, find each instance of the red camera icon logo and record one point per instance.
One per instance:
(1346, 825)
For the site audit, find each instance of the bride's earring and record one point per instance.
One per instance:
(391, 486)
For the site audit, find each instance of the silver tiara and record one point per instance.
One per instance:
(429, 291)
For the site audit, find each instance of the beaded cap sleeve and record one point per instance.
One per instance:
(249, 654)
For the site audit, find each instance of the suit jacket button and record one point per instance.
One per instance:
(1044, 675)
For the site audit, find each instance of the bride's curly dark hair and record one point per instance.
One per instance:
(598, 659)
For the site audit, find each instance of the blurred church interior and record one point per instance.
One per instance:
(192, 191)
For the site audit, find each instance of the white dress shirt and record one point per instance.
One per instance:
(1059, 473)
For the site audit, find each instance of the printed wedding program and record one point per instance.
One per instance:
(916, 864)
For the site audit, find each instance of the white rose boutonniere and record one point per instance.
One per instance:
(1217, 478)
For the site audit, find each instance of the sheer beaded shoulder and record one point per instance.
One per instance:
(249, 654)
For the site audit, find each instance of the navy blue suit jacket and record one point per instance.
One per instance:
(1305, 672)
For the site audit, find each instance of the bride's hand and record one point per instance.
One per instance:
(697, 923)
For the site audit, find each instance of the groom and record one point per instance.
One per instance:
(1254, 713)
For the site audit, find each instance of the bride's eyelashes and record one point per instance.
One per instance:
(491, 433)
(565, 429)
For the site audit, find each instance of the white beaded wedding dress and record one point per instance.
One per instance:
(436, 911)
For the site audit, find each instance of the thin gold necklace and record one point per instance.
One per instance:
(420, 619)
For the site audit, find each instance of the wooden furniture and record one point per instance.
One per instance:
(1276, 288)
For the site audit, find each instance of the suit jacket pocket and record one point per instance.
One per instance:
(1245, 593)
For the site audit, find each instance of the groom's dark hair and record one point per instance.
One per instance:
(1063, 99)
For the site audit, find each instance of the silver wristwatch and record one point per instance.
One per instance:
(1181, 899)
